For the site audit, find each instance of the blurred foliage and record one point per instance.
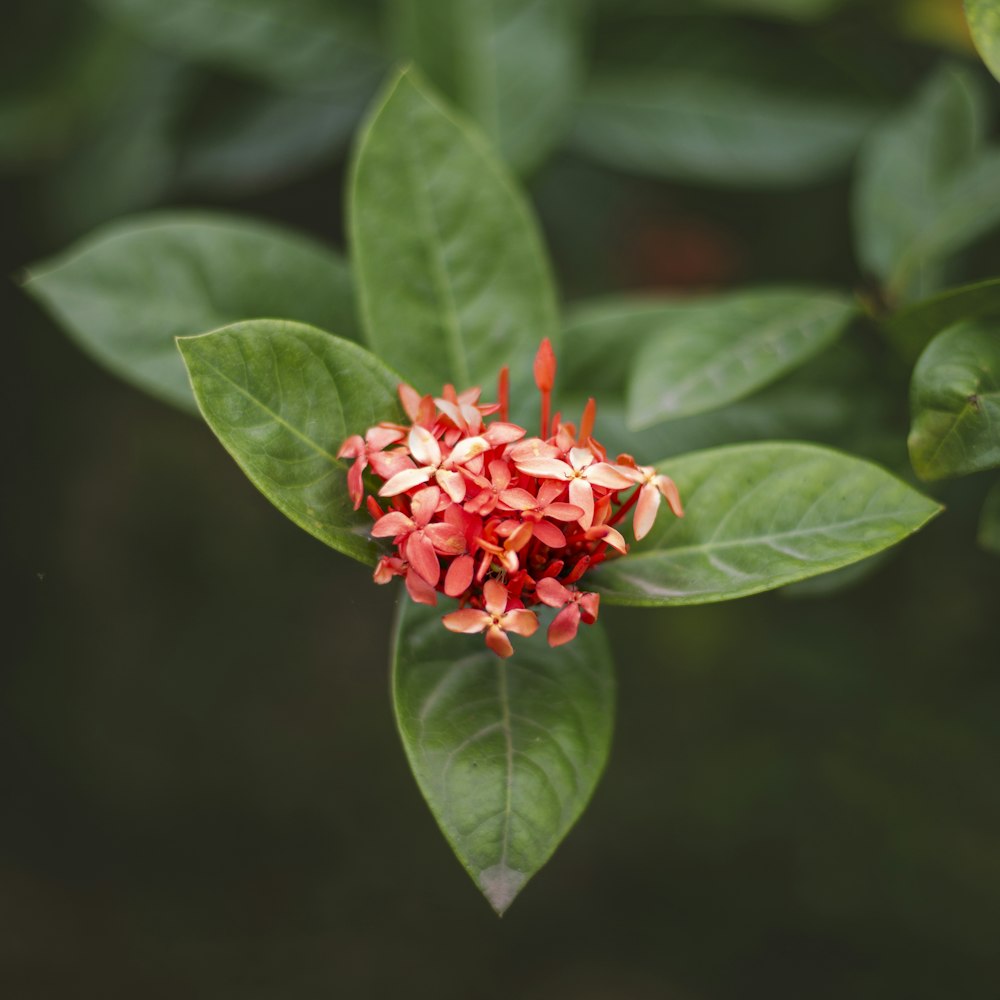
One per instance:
(204, 791)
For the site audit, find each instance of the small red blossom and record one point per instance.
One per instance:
(500, 521)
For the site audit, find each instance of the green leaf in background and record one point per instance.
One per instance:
(989, 522)
(955, 402)
(924, 188)
(299, 44)
(912, 328)
(729, 347)
(506, 752)
(759, 516)
(984, 23)
(453, 280)
(512, 65)
(282, 397)
(715, 107)
(125, 292)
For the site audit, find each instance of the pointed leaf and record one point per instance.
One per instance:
(911, 329)
(924, 188)
(282, 397)
(513, 65)
(955, 402)
(717, 107)
(984, 23)
(298, 43)
(506, 752)
(759, 516)
(125, 292)
(728, 349)
(453, 280)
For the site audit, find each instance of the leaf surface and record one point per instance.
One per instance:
(759, 516)
(453, 280)
(984, 23)
(955, 402)
(125, 292)
(506, 752)
(282, 397)
(728, 348)
(512, 65)
(989, 522)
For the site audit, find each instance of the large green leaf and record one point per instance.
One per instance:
(712, 106)
(912, 328)
(506, 752)
(758, 516)
(513, 65)
(453, 280)
(924, 189)
(955, 402)
(125, 292)
(282, 397)
(728, 348)
(295, 43)
(984, 23)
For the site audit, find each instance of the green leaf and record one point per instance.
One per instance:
(301, 44)
(506, 752)
(282, 397)
(924, 189)
(989, 522)
(453, 281)
(729, 347)
(512, 65)
(714, 107)
(911, 329)
(125, 292)
(984, 23)
(759, 516)
(955, 402)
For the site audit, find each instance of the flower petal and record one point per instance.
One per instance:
(669, 490)
(580, 458)
(552, 592)
(500, 433)
(581, 494)
(518, 499)
(544, 468)
(549, 534)
(564, 626)
(605, 474)
(404, 481)
(446, 538)
(424, 505)
(564, 511)
(497, 640)
(352, 447)
(467, 450)
(421, 556)
(496, 597)
(424, 447)
(467, 621)
(520, 622)
(589, 605)
(419, 590)
(355, 484)
(392, 524)
(645, 511)
(453, 483)
(458, 579)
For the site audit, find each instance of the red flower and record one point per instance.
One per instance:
(496, 520)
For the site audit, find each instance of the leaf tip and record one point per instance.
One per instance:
(500, 885)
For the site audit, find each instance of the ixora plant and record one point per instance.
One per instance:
(387, 452)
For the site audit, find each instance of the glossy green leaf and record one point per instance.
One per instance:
(984, 23)
(729, 347)
(758, 516)
(989, 522)
(125, 292)
(453, 281)
(911, 329)
(282, 397)
(312, 44)
(513, 65)
(712, 106)
(506, 752)
(955, 402)
(924, 188)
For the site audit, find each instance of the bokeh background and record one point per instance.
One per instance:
(203, 792)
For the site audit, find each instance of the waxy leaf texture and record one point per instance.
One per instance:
(128, 290)
(281, 397)
(506, 752)
(759, 516)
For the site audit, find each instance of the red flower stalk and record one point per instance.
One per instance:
(502, 522)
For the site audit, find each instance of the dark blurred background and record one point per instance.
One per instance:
(203, 791)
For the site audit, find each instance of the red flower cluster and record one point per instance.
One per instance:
(482, 513)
